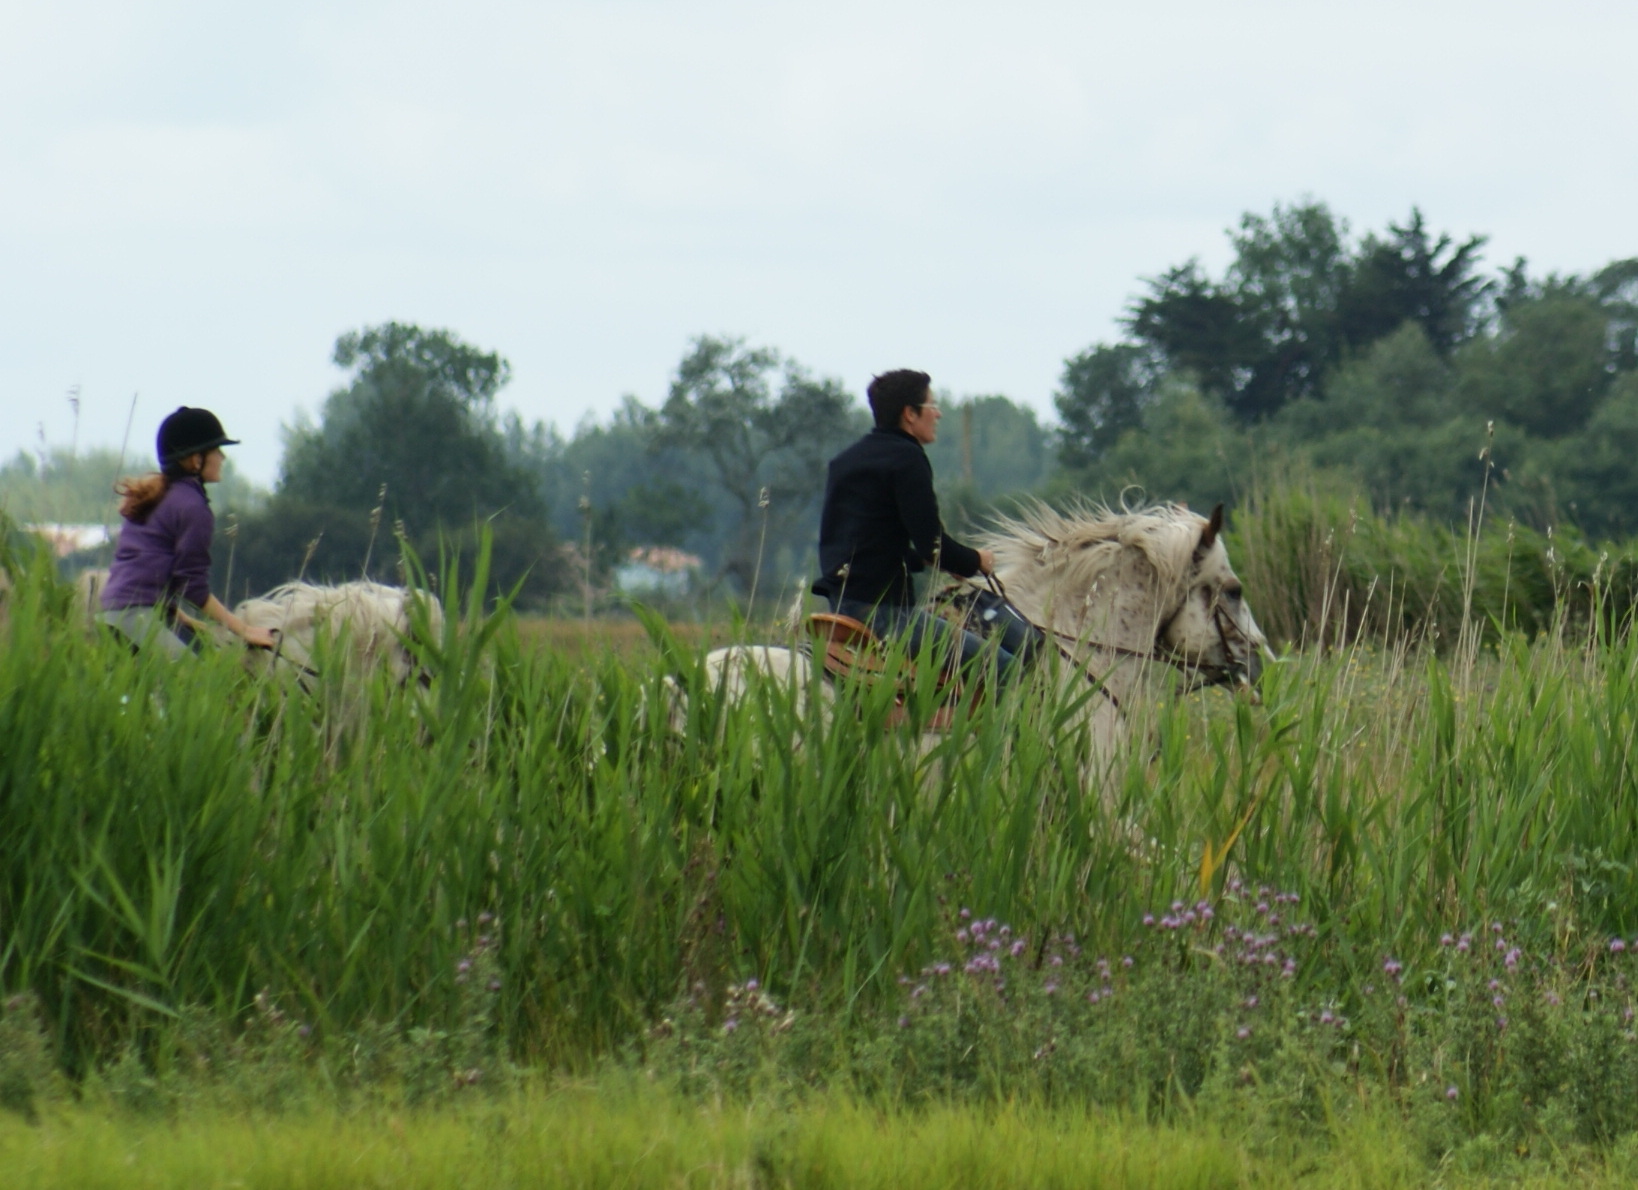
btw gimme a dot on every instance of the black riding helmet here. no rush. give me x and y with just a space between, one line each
189 431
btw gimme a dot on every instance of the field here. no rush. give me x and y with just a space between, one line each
1395 900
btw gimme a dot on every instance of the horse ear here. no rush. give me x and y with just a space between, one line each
1208 535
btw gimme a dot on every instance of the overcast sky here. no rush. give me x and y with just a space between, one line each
197 198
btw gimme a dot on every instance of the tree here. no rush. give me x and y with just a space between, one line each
765 452
1197 326
1599 479
1549 364
412 445
1188 450
1297 301
417 419
1402 278
1266 334
1102 395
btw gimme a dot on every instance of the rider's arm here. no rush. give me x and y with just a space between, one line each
215 609
918 509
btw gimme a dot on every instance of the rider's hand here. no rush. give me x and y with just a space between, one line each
259 638
986 561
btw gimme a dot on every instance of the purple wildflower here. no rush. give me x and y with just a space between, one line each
1617 946
1451 1093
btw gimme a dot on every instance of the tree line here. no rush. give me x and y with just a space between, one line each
1391 364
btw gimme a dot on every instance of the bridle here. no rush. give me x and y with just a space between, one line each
1202 676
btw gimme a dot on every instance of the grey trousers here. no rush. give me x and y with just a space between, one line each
146 627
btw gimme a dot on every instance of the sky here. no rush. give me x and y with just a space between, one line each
196 198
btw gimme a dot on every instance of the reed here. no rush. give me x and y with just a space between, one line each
182 838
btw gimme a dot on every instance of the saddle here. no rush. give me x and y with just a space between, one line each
850 648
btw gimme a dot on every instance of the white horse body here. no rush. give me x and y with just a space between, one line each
372 618
1113 592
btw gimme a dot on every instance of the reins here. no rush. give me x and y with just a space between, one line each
1221 674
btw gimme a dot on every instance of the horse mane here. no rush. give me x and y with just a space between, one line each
1079 544
374 616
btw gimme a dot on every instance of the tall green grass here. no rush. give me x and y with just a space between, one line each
1325 568
181 837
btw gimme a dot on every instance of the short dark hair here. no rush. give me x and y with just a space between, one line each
893 392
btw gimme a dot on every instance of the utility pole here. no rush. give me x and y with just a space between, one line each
967 442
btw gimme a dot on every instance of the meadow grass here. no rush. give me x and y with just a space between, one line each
615 1133
213 879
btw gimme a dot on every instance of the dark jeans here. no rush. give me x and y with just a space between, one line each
922 629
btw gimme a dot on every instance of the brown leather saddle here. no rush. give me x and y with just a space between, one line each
847 648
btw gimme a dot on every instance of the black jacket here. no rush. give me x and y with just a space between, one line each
880 523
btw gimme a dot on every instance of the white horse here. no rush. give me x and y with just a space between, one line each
372 619
1113 593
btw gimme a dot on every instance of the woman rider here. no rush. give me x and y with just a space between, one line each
159 583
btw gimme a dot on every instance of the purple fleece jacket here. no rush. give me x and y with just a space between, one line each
166 555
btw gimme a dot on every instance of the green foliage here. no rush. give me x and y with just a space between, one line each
1102 395
1394 363
411 447
1297 299
415 421
766 452
1401 277
989 451
199 867
77 487
1186 448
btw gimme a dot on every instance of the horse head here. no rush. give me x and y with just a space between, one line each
1153 583
1210 633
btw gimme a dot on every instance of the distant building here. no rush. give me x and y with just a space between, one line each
71 539
657 570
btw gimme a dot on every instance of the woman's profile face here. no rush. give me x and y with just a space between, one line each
210 471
